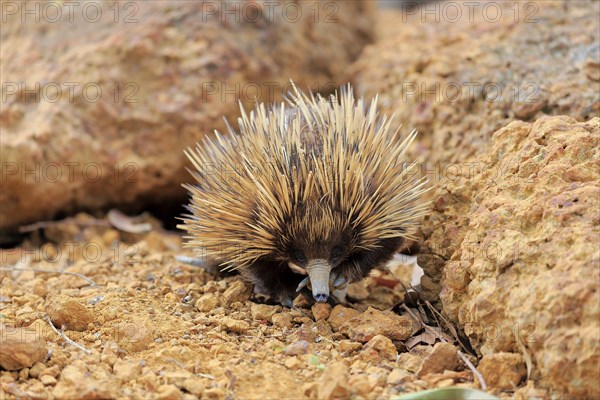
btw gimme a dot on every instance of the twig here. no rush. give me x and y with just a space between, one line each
51 271
473 370
449 326
62 335
419 320
207 376
437 321
426 327
526 356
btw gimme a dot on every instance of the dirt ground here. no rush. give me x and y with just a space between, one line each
145 325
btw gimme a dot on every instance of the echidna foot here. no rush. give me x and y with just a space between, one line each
305 282
337 281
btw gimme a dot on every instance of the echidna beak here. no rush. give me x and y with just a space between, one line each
318 272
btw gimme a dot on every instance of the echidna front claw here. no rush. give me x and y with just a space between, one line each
337 281
303 284
340 281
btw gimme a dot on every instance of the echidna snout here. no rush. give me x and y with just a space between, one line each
318 273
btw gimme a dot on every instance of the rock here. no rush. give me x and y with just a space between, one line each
348 346
358 291
282 320
48 380
372 322
529 391
410 362
78 381
502 370
292 363
305 332
127 370
333 384
176 377
21 348
302 301
34 371
297 348
169 392
309 390
234 325
340 315
381 347
263 312
321 311
214 394
443 357
460 80
237 291
377 376
322 328
361 384
207 302
397 376
135 335
53 371
194 386
110 125
520 240
68 312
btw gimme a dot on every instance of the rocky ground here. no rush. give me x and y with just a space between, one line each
144 325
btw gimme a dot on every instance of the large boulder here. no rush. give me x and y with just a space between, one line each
459 71
99 100
519 238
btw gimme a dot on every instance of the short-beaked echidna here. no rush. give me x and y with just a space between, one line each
316 191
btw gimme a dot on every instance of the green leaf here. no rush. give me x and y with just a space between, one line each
448 394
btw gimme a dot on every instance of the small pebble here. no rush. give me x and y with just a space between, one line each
282 320
48 380
292 363
321 311
234 325
297 348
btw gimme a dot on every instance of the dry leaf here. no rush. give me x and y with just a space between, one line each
126 224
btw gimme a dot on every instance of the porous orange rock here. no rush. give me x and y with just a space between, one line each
373 322
520 238
503 370
21 348
67 312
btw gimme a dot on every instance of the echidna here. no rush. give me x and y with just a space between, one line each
315 192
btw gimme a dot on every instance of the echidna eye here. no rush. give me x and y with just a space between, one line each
299 256
337 253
